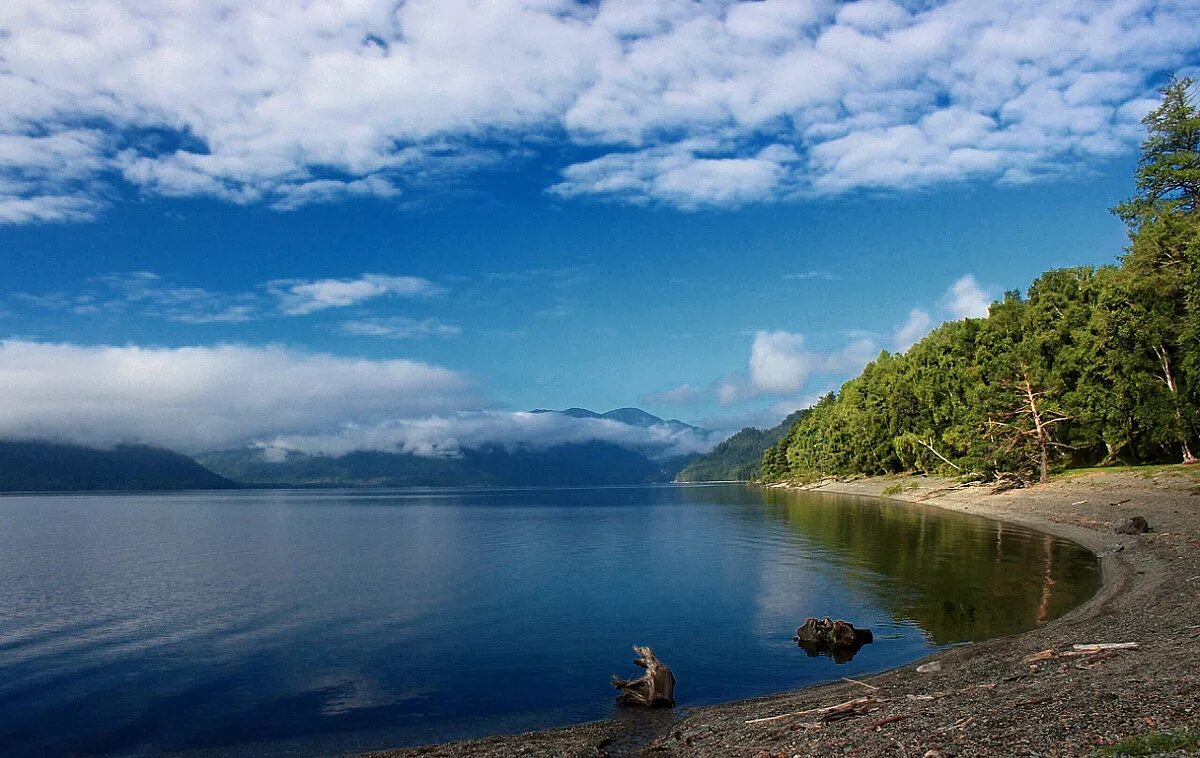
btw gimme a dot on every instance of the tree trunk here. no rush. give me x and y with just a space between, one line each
1112 452
1160 351
1039 427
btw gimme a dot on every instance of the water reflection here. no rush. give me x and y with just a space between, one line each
957 576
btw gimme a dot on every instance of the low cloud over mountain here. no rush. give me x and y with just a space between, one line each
281 400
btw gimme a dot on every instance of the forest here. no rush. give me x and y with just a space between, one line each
1090 367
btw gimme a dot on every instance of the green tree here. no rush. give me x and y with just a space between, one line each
1168 175
1160 268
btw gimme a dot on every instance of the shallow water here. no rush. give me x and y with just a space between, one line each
290 622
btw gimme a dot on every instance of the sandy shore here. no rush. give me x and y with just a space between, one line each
985 700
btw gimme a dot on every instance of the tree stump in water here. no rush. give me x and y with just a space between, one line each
654 688
838 639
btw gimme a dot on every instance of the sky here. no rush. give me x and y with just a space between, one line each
400 225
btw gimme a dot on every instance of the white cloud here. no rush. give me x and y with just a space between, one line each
195 398
966 299
779 362
696 104
916 326
147 293
681 395
732 390
299 298
681 175
202 398
804 276
400 328
448 435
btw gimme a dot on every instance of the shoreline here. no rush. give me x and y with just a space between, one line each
985 700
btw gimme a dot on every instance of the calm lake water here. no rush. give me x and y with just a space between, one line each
291 622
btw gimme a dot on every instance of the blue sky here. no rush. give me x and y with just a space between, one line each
379 217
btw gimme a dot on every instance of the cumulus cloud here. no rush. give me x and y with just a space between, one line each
682 176
781 364
778 362
196 398
695 104
966 299
299 298
916 326
448 435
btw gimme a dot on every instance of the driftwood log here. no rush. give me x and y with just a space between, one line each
654 688
838 639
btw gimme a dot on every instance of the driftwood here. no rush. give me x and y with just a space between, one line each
878 725
1092 654
1099 646
835 638
856 707
654 688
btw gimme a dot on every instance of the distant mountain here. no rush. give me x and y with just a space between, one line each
738 458
31 466
572 464
631 416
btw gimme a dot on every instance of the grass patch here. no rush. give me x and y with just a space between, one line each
1146 472
898 487
1154 743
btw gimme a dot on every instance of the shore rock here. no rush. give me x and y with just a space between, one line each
1132 525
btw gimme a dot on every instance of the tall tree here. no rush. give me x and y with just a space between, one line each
1162 221
1168 175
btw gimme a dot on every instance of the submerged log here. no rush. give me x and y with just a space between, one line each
654 688
838 639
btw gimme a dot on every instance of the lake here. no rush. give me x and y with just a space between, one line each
290 622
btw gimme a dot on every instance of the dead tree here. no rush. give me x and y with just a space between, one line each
1030 422
654 688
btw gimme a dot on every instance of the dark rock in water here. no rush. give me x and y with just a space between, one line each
1132 525
838 639
654 688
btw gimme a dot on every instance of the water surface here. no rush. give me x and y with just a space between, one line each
290 622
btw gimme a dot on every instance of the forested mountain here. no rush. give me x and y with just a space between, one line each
1090 366
29 466
574 464
738 458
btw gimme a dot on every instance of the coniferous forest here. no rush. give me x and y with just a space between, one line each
1091 366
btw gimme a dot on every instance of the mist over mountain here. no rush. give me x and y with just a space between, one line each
588 463
538 448
576 446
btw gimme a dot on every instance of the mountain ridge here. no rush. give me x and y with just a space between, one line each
46 466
